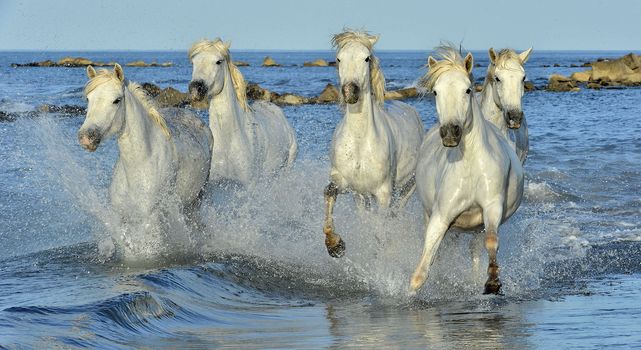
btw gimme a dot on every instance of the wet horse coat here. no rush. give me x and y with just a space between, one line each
467 174
374 148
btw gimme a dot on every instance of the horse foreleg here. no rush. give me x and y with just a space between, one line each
434 233
333 242
384 196
492 217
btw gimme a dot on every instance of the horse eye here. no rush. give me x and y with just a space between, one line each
117 101
468 91
367 59
497 79
434 92
219 61
338 60
523 79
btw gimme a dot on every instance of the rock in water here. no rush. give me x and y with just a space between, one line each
529 86
625 70
401 94
290 100
75 62
328 95
316 63
560 83
269 62
255 92
170 97
582 77
152 89
141 63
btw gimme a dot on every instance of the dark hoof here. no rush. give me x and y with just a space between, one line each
337 250
492 287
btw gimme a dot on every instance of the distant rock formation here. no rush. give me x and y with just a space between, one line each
269 62
623 71
329 94
316 63
401 94
170 97
561 83
83 62
145 64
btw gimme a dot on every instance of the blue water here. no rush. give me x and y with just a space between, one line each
570 257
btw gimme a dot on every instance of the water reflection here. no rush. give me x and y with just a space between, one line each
485 325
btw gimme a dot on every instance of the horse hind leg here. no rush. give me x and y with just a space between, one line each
406 193
333 241
192 212
363 202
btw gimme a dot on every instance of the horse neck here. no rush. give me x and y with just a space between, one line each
490 109
360 117
140 133
475 134
225 112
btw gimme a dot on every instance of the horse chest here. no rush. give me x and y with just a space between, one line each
360 163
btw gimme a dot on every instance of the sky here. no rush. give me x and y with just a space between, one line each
308 25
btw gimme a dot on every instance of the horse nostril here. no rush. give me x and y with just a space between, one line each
197 89
350 92
442 131
457 130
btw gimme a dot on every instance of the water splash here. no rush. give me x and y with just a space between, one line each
279 222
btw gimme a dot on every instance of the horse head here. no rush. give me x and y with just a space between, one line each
358 70
105 109
450 80
506 77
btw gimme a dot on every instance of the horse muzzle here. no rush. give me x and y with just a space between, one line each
197 90
350 92
451 135
89 139
514 118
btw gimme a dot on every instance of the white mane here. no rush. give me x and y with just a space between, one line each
451 59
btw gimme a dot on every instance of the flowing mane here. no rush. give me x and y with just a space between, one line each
503 57
240 86
451 59
104 75
366 39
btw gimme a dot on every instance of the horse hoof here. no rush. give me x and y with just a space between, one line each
492 287
337 250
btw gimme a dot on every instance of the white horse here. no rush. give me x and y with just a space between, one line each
374 149
250 141
160 152
467 173
501 97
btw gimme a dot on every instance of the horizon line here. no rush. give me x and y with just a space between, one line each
292 50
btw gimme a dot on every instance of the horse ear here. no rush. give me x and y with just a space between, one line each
492 55
525 55
91 73
227 44
431 62
373 39
469 62
119 73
